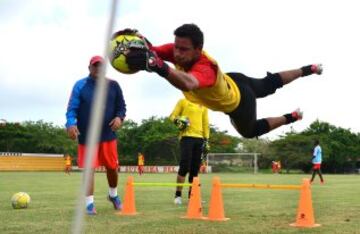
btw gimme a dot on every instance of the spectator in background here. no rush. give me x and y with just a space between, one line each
316 161
68 164
141 163
276 166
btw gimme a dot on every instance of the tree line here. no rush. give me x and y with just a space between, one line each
157 138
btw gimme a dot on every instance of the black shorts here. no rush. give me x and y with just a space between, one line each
244 117
191 150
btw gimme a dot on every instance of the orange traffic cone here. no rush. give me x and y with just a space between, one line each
216 206
129 199
305 214
194 210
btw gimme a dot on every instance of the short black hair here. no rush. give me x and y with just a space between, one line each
193 32
317 142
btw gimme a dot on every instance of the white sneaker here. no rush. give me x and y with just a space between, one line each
317 68
177 201
297 114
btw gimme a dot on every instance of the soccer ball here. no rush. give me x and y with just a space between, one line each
119 47
20 200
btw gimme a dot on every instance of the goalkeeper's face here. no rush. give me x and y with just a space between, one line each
185 54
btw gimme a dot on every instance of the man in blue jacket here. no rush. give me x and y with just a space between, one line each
77 125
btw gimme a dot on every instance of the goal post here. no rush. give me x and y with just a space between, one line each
233 162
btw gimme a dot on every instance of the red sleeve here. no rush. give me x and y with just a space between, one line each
165 52
205 72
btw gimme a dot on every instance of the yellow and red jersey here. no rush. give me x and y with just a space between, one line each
198 118
217 91
67 161
141 160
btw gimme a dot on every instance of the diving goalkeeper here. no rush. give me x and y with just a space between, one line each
200 78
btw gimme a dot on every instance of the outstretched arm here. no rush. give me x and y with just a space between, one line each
181 80
141 59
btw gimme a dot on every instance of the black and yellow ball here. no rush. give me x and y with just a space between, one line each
20 200
119 47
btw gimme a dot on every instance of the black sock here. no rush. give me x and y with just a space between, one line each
306 70
313 176
320 175
289 118
178 194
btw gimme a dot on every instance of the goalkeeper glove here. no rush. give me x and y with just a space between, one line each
144 59
140 57
205 150
206 147
181 122
203 158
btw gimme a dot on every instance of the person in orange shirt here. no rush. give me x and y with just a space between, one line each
67 164
141 162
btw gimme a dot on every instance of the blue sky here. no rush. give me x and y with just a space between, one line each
46 46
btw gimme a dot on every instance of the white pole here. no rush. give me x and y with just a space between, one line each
96 119
255 163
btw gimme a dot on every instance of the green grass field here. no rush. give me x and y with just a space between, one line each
336 205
